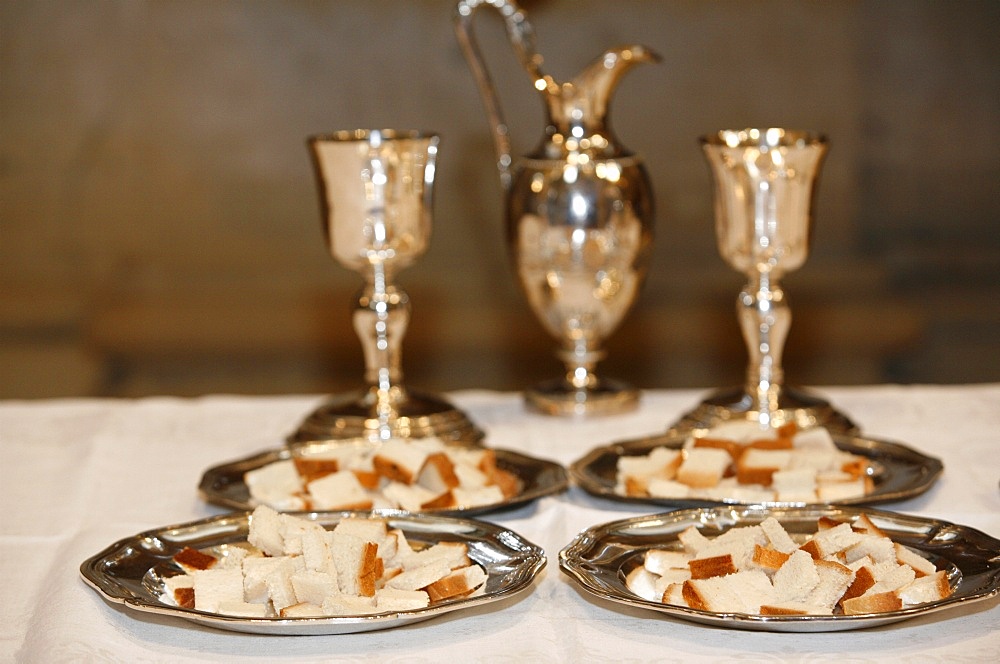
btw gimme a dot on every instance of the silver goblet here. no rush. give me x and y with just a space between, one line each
764 185
376 196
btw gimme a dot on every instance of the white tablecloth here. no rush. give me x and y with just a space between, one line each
76 475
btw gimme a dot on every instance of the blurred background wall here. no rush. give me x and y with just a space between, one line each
159 223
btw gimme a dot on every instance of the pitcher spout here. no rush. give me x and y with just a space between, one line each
579 108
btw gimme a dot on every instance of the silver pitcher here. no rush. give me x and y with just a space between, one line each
579 211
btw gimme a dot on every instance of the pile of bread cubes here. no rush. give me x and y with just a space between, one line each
293 567
737 462
415 475
843 569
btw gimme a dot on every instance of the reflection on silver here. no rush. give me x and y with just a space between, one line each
599 558
579 212
899 471
224 485
131 571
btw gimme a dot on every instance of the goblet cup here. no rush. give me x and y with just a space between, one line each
376 197
765 181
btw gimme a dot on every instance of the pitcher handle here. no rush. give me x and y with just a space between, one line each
521 36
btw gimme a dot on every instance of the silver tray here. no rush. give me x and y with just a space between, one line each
224 485
131 571
898 472
600 557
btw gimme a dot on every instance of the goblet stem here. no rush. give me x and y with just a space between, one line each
380 321
765 319
580 363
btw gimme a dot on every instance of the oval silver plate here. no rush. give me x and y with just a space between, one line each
224 485
131 571
899 472
600 557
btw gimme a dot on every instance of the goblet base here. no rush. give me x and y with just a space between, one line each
414 415
794 405
560 397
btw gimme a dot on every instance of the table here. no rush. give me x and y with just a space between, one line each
78 474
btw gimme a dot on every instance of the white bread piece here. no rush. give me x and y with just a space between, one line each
339 491
292 530
233 555
349 605
795 485
438 473
712 566
354 559
714 594
767 558
242 609
894 580
254 574
671 577
215 586
657 487
265 531
929 588
777 536
693 540
796 579
674 594
370 530
659 462
703 466
399 460
317 554
830 492
403 548
814 439
757 466
831 541
458 583
394 599
273 482
473 497
313 587
753 587
454 554
819 461
877 603
302 610
920 565
471 477
834 580
728 489
658 561
419 578
742 592
738 543
172 583
879 549
642 582
279 582
409 497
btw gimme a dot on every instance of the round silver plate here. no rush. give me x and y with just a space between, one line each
600 558
224 485
898 472
130 572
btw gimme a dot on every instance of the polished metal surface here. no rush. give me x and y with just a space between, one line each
224 484
765 181
130 572
898 472
600 558
579 212
377 197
